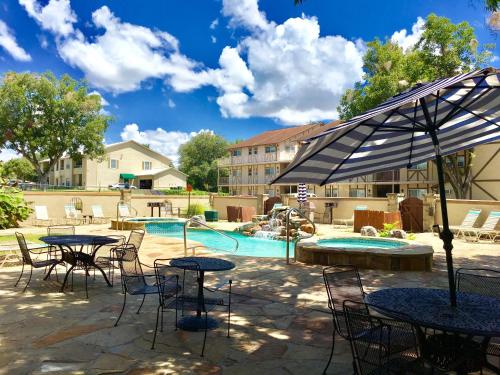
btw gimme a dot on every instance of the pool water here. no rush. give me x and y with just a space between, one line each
356 243
248 246
155 220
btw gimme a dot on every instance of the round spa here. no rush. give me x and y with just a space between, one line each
366 252
140 222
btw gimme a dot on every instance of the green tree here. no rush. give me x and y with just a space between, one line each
44 117
444 49
19 168
198 159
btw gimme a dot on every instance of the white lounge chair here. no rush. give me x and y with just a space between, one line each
469 222
42 216
350 221
98 214
73 216
490 229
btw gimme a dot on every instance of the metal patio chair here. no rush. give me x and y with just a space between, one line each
381 346
28 260
109 259
481 281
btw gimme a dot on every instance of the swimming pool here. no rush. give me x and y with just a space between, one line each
361 243
248 246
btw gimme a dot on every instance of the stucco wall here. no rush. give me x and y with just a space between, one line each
457 209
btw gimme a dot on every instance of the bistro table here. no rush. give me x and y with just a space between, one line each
72 249
203 264
474 315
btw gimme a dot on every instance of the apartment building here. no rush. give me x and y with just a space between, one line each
255 162
122 162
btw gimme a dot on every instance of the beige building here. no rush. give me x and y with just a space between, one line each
122 162
255 162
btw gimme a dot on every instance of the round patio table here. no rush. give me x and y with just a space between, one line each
72 249
474 315
202 265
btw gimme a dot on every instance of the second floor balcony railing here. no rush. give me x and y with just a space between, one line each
386 176
267 157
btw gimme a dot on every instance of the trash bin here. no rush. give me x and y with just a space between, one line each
211 215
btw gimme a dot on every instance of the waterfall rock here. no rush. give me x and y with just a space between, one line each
398 233
369 231
308 228
198 218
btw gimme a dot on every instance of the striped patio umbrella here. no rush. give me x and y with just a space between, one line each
302 194
427 122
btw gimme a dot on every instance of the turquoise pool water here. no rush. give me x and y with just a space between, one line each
248 246
366 243
155 220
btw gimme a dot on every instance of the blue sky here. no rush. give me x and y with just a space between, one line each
168 69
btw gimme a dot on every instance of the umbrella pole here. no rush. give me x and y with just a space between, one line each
446 235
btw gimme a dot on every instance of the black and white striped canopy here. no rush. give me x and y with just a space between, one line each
463 111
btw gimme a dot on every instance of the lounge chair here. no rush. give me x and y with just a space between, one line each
489 230
42 216
349 222
73 216
469 222
98 214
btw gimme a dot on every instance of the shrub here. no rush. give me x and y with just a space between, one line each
183 192
386 232
13 208
195 209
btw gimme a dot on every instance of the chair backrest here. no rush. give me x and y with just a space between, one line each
97 211
166 208
41 213
471 218
492 221
479 280
342 283
61 230
361 207
70 211
24 248
135 238
186 281
130 266
123 210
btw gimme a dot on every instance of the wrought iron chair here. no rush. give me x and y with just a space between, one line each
372 343
134 280
481 281
58 230
110 259
135 238
188 299
342 282
34 263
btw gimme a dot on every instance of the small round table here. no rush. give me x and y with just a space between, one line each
203 264
474 315
68 244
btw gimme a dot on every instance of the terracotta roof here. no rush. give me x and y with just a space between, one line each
297 133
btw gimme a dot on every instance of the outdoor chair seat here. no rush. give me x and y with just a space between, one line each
169 286
45 263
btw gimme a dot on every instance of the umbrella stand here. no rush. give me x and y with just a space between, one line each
446 235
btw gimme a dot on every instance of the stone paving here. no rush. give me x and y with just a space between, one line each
280 324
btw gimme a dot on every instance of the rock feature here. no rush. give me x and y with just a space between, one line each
398 233
369 231
197 218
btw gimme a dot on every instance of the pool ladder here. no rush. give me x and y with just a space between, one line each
288 239
193 248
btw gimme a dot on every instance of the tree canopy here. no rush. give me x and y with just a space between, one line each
444 49
18 168
42 117
198 159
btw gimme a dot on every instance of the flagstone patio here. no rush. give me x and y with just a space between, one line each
280 322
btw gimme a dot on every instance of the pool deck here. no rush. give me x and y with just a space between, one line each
280 320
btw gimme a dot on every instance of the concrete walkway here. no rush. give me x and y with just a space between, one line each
280 324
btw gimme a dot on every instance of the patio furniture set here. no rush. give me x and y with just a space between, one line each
179 283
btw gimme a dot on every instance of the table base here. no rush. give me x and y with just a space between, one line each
194 323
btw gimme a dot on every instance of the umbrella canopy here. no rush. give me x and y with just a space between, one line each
426 122
302 194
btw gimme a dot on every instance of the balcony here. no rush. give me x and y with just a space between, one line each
248 159
386 176
223 180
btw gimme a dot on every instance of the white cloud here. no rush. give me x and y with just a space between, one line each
171 103
163 141
9 43
44 43
214 24
57 16
407 41
245 13
213 39
7 154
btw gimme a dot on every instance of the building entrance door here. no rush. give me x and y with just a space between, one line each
145 184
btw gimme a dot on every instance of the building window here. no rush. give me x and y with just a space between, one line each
250 171
236 152
290 149
249 151
113 164
331 192
255 150
270 149
419 166
417 193
62 165
460 161
236 173
78 163
269 171
357 193
146 165
57 167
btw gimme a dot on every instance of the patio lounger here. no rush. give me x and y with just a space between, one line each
42 216
350 221
469 222
98 214
490 229
72 214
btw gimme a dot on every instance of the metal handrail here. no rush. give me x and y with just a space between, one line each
287 217
198 222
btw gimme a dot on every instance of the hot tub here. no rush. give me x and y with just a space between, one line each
366 252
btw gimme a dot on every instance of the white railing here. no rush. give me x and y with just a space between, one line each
193 248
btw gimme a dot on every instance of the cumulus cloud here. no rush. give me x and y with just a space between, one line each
214 24
245 13
407 41
171 103
56 17
9 44
165 142
7 154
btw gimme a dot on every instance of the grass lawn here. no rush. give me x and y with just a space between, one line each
11 238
